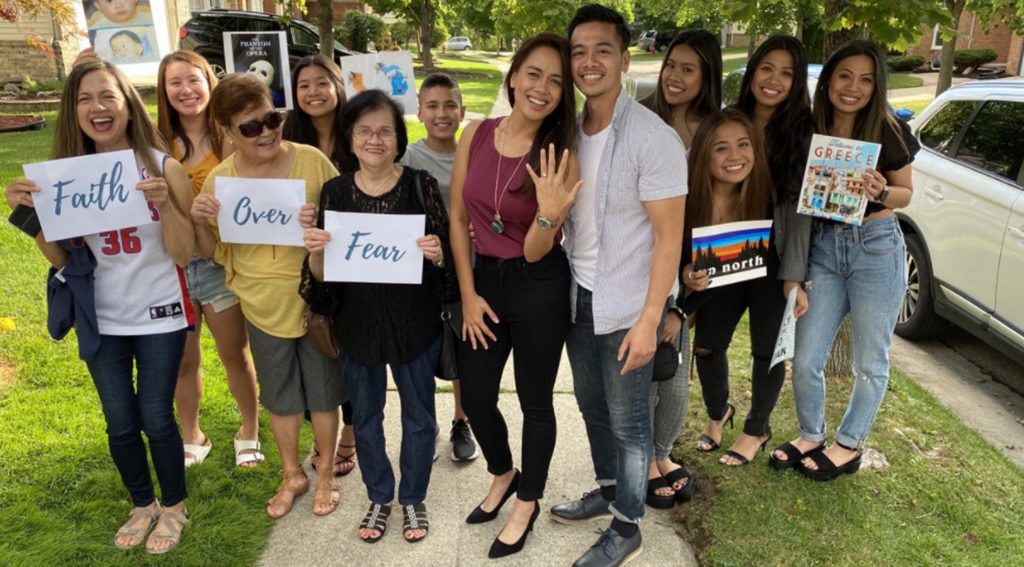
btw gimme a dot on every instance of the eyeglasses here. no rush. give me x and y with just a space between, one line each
254 128
364 133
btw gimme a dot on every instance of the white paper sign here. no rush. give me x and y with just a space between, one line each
88 194
389 71
372 248
784 345
260 211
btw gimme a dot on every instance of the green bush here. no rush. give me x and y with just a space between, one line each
904 62
731 88
964 58
359 29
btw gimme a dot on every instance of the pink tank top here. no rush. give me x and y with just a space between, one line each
517 209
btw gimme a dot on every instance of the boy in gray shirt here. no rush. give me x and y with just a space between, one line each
441 112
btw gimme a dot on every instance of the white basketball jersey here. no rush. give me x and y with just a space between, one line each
139 288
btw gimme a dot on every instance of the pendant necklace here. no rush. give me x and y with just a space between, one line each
496 224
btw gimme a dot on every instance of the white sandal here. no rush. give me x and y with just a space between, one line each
195 454
248 451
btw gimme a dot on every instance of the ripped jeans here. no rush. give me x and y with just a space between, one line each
860 271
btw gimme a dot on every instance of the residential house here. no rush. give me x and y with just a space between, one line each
1007 44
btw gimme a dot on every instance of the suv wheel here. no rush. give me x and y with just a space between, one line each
917 318
217 63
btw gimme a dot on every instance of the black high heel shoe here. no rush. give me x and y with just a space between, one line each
502 549
478 516
740 459
711 443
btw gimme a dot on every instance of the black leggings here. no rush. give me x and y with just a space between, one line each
716 322
531 301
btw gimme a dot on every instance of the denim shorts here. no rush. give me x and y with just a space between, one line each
205 279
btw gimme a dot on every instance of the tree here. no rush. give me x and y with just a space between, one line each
523 18
1009 12
359 29
60 12
325 25
422 13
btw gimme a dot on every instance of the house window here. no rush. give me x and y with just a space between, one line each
936 38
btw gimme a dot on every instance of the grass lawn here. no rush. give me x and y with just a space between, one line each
948 498
917 105
904 81
478 93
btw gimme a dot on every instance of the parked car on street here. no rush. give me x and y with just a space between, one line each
458 43
203 33
645 40
965 225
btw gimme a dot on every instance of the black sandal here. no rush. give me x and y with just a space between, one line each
827 470
711 443
743 460
793 456
343 460
414 517
684 494
376 519
659 501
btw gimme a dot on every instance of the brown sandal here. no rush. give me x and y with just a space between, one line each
168 527
285 489
326 493
135 517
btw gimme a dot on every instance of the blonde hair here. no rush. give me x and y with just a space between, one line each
71 141
169 121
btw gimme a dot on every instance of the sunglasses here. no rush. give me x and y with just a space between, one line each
254 128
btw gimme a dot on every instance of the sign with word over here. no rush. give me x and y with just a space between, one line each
88 194
372 248
260 211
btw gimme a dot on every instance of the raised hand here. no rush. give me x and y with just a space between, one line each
431 247
696 281
553 199
307 215
315 239
156 190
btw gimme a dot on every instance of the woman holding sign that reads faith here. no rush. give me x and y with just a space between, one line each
855 270
139 305
515 181
384 324
730 182
292 375
184 83
315 119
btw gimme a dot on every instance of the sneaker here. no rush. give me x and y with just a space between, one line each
464 447
611 550
591 507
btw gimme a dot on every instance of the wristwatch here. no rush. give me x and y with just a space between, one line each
883 195
546 223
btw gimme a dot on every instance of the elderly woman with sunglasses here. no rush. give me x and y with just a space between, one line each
292 375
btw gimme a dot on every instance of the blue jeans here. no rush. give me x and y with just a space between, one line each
616 410
147 405
860 271
367 392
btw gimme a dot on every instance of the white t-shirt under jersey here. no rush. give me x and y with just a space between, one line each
584 213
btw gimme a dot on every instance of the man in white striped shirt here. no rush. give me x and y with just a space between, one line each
623 239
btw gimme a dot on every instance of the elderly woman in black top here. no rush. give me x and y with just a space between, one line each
385 324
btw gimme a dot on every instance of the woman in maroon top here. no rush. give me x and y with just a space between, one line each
515 181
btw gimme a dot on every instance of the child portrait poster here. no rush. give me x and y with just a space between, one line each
389 71
732 252
265 55
132 34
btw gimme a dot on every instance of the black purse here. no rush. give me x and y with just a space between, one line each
451 320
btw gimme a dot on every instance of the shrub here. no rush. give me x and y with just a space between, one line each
964 58
904 62
359 29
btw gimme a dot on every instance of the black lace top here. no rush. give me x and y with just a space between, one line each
385 323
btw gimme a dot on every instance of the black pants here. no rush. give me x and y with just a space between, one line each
716 321
531 301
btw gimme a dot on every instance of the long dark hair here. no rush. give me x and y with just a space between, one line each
360 105
875 117
299 125
710 98
558 127
168 120
755 191
789 130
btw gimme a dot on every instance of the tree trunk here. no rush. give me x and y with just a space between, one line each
325 24
840 358
835 38
428 18
956 8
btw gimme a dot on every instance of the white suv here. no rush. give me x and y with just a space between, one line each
965 225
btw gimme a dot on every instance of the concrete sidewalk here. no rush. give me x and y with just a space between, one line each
455 489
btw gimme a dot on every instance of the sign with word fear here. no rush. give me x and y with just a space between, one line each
260 211
373 248
88 194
